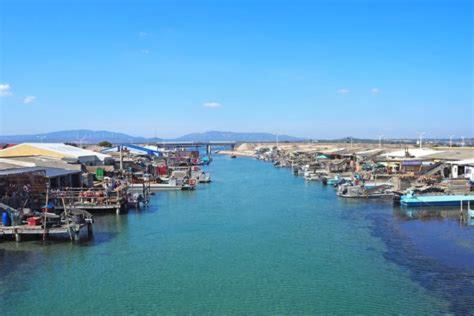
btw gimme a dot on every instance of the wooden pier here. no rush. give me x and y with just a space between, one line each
118 208
92 200
71 230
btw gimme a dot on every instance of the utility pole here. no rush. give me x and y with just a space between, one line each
421 138
121 158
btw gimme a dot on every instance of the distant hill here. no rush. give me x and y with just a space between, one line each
84 136
232 136
75 136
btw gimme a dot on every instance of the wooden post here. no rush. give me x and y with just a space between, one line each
89 230
67 218
76 235
45 218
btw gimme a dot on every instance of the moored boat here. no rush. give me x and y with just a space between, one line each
363 191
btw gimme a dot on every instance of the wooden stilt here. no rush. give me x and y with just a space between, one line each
89 230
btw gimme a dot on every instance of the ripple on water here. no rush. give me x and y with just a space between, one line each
454 284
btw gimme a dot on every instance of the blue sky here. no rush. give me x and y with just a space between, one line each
307 68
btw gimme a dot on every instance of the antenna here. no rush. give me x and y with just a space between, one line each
81 140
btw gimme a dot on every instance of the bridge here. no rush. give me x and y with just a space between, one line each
196 144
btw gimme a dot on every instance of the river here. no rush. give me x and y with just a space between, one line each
257 240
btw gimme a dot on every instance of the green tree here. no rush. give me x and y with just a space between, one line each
104 143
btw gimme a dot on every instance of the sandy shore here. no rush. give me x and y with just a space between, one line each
250 154
249 149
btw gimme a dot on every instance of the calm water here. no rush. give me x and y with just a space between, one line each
255 241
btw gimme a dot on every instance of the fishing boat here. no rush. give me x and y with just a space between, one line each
337 180
332 181
412 199
312 177
135 200
362 191
205 161
166 184
200 175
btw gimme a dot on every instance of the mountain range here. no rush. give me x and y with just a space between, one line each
84 136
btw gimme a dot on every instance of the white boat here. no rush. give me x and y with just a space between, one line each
200 176
311 177
361 191
153 186
204 177
166 185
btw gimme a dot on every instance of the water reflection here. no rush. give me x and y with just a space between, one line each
430 214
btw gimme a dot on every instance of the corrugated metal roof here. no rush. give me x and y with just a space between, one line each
40 161
134 149
58 172
12 171
51 167
66 150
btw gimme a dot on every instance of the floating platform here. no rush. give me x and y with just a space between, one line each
71 231
436 200
99 208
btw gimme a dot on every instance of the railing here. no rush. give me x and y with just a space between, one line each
76 196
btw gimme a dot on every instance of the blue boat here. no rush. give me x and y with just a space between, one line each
411 199
334 180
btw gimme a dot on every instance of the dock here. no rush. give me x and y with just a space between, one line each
71 230
93 201
436 200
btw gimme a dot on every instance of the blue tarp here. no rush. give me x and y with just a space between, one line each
133 149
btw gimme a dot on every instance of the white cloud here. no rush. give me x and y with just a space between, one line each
29 99
212 105
143 34
5 90
375 90
145 51
343 91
